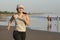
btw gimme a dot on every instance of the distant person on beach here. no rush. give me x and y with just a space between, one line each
21 21
49 23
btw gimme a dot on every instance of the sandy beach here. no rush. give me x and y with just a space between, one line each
30 34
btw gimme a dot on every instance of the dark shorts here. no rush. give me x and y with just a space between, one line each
19 35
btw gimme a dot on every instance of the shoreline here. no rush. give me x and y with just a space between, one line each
30 34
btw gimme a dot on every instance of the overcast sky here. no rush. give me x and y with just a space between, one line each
33 6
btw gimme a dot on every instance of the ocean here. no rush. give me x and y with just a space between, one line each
37 23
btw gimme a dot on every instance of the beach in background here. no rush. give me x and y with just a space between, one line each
37 22
36 31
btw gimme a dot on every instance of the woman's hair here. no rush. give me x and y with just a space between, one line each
24 13
17 9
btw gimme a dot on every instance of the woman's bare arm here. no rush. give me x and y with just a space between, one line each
27 20
9 23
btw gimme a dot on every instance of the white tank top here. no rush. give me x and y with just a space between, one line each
19 24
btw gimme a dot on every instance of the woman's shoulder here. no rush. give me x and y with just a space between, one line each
14 15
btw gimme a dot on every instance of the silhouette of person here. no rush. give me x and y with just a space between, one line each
49 23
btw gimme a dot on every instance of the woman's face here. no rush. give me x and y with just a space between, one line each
20 10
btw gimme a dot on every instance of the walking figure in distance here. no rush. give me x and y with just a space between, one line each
49 23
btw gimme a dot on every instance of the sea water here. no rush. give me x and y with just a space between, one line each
37 23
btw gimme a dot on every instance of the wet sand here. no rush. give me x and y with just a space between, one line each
30 34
